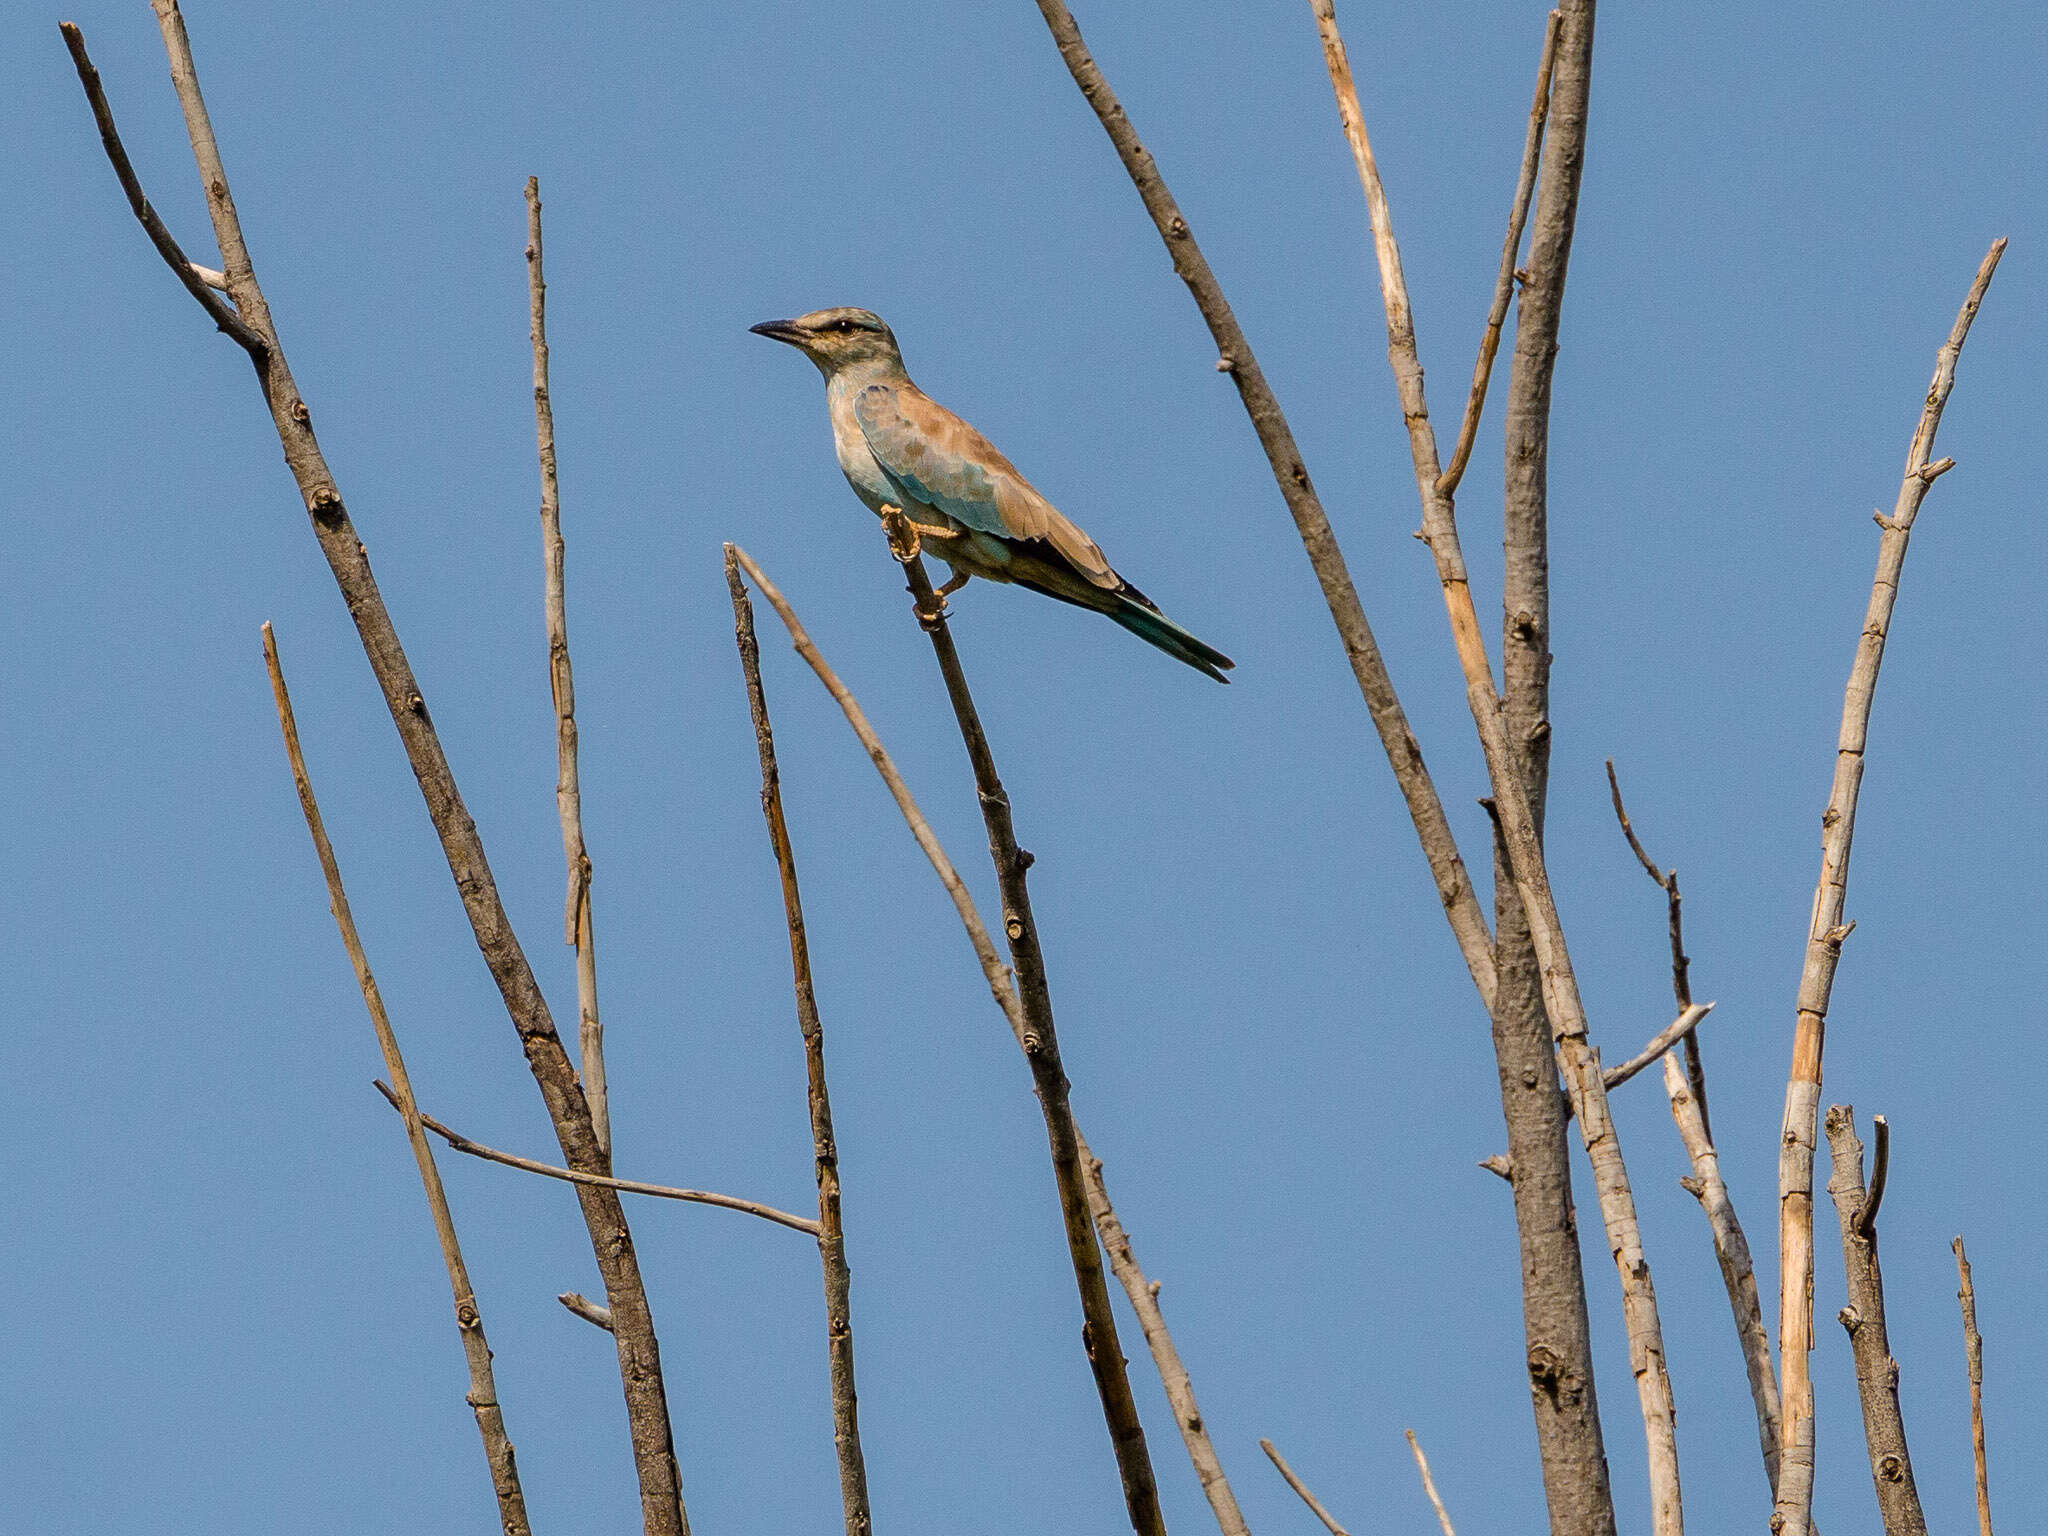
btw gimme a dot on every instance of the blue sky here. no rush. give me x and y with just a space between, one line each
228 1315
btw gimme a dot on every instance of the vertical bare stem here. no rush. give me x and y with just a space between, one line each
1443 1516
562 685
1877 1373
1368 666
476 1348
853 1476
1041 1048
1520 829
1301 1489
1973 1356
1687 1092
1180 1391
661 1501
1826 931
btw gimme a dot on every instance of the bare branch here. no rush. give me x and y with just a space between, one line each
853 1476
1824 935
1866 1219
587 1309
1687 1092
1301 1488
1368 666
562 686
1443 1516
476 1349
1521 834
1504 285
1678 1029
611 1241
1042 1050
1180 1391
462 1143
1877 1373
1973 1356
199 281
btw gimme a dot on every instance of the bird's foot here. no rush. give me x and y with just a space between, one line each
901 531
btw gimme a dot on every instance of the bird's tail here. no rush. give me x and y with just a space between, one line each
1155 628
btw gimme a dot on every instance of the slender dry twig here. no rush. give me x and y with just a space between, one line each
476 1348
1678 1029
1368 666
1164 1355
611 1241
1180 1391
576 921
587 1309
1826 931
1301 1488
477 1149
1877 1373
853 1476
1443 1516
1504 285
1880 1169
1521 835
1042 1050
1687 1092
1973 1357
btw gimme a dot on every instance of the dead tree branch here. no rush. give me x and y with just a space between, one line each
477 1149
562 686
1687 1092
1678 1029
1443 1516
1877 1373
1301 1488
1180 1391
476 1348
1368 666
1973 1358
853 1475
1504 285
1826 931
1042 1050
653 1444
587 1309
1514 774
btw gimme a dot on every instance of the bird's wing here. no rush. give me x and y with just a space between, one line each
942 461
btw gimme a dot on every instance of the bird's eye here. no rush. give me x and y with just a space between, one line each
844 325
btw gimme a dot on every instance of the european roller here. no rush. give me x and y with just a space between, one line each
898 447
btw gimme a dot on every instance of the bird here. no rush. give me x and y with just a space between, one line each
899 449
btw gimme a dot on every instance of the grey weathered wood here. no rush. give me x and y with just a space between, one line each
1877 1373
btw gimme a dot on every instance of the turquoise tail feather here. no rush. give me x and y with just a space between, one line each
1155 628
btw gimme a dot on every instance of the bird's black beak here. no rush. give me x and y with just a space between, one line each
780 330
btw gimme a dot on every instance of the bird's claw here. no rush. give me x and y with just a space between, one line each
902 534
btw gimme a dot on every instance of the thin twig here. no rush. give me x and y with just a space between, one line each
1877 1373
661 1500
1301 1488
577 927
1973 1357
1443 1516
853 1476
587 1309
1678 1029
1826 930
476 1349
1521 835
1180 1390
1687 1092
1042 1050
198 281
1880 1169
462 1143
1504 285
1368 666
1164 1356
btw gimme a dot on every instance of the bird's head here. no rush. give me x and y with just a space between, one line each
836 338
